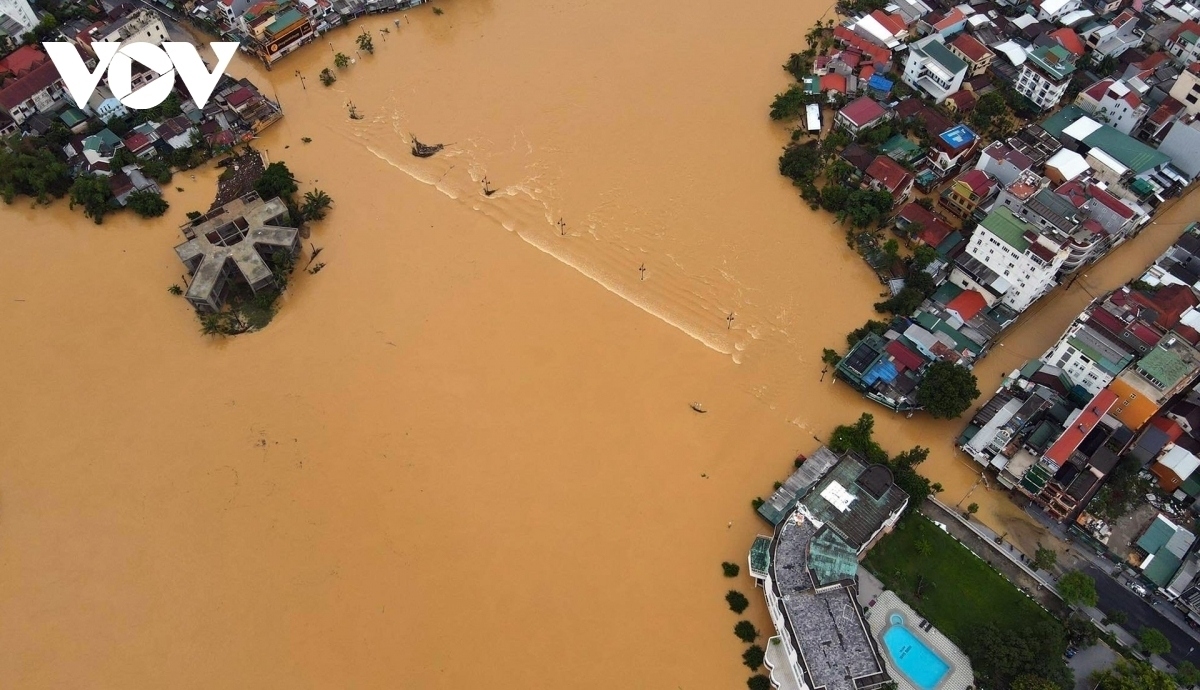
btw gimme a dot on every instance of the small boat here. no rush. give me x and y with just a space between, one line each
699 408
425 150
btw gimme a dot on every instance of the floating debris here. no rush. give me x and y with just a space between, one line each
425 150
487 188
699 408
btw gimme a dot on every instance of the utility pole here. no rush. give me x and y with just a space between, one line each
642 270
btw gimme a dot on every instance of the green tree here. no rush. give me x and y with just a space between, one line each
147 203
341 61
923 255
924 548
1081 633
745 631
1152 641
1030 682
1187 674
315 204
972 508
1077 589
759 682
31 168
157 170
93 194
175 290
753 657
736 600
789 104
328 77
1132 675
730 569
830 357
1000 656
800 162
1044 559
876 327
947 390
1117 618
834 196
364 42
276 181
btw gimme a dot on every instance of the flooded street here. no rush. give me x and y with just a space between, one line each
463 453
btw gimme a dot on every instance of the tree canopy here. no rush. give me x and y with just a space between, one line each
790 103
800 162
1076 588
1152 641
93 194
28 167
947 390
276 181
1133 675
1002 657
147 203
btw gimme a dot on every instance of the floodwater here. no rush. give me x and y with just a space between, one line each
463 453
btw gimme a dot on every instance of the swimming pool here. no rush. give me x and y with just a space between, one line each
920 664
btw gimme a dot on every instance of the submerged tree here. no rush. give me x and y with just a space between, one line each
93 194
147 203
328 77
364 42
315 204
341 61
947 390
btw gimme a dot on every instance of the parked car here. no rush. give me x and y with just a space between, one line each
1071 651
1137 589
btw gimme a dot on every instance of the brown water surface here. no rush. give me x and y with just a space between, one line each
463 453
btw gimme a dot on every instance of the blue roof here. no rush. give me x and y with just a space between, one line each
878 81
882 370
958 135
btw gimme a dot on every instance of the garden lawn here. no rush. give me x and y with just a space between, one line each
959 591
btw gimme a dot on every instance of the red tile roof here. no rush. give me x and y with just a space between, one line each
22 60
239 97
971 47
1069 40
1081 427
1189 25
1153 60
1170 301
980 182
866 72
963 100
889 173
906 358
890 22
934 228
967 304
1188 333
1096 91
1111 202
952 17
18 90
1167 426
833 82
848 37
137 142
863 111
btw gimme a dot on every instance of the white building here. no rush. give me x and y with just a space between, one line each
1184 44
1052 10
16 18
1114 103
1187 89
1045 75
1182 144
1087 356
140 26
1008 260
932 68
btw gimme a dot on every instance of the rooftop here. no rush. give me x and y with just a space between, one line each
1003 224
862 111
1056 61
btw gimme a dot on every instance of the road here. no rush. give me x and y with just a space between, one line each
1116 597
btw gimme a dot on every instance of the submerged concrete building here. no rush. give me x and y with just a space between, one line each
237 241
808 572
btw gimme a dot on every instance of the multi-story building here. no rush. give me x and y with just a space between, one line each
1113 102
1184 43
1045 74
968 192
29 84
139 26
1003 162
933 68
971 51
16 18
276 28
1186 89
1009 260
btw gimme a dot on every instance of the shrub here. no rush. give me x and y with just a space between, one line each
730 569
759 682
745 631
753 657
737 601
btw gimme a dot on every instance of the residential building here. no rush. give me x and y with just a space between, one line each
808 569
1052 10
861 114
1161 550
925 226
1114 103
933 68
885 174
1117 160
1182 144
235 242
16 18
972 52
1184 43
1003 162
1088 355
1070 40
29 84
968 192
1186 88
944 25
1116 37
231 10
951 147
139 26
276 28
1008 260
1066 165
1045 74
1162 372
881 28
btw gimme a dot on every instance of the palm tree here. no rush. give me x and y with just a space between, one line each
210 324
315 204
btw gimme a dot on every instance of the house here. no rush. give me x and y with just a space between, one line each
1186 88
29 84
1088 353
1045 74
1066 165
933 68
1003 162
1173 467
885 174
971 51
882 29
861 114
968 192
951 147
1145 387
1113 102
1008 260
1116 217
1117 159
1052 10
1163 547
138 26
961 102
1159 122
1181 145
235 242
1115 38
129 180
858 157
807 570
230 11
944 25
929 227
276 28
141 145
1070 40
1184 43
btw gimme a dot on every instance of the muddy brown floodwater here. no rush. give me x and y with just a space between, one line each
463 453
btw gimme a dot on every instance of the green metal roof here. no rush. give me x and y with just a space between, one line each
933 324
1055 61
1142 187
1156 535
72 116
1035 479
760 554
1191 485
831 559
1056 123
1164 366
1043 435
812 84
900 148
103 137
1003 224
949 243
942 54
283 20
945 293
1132 153
1162 568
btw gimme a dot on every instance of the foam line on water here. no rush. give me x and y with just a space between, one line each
641 302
